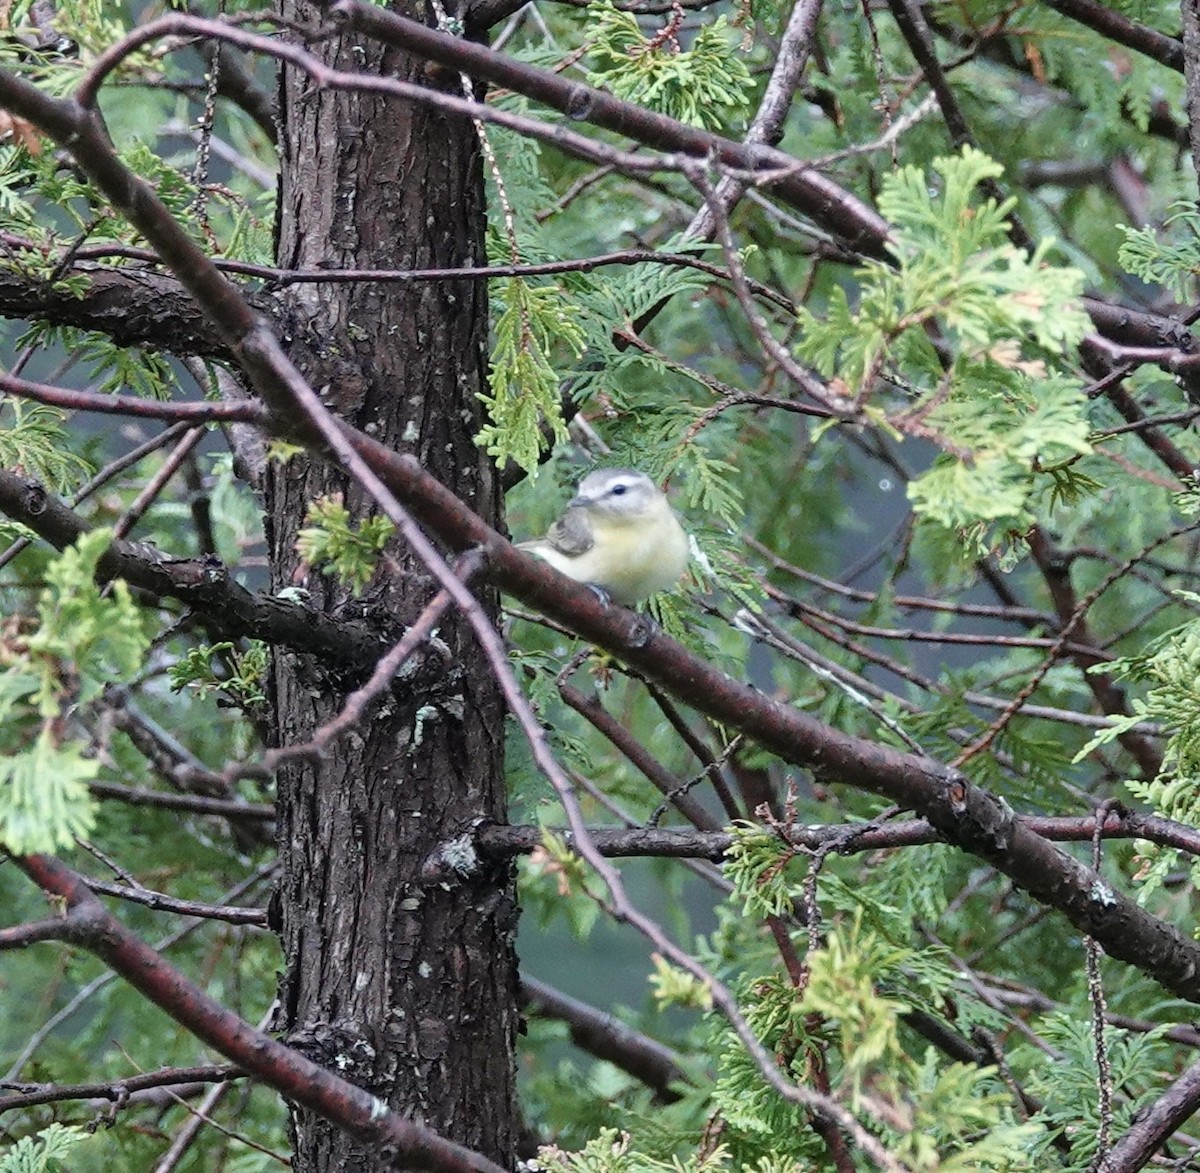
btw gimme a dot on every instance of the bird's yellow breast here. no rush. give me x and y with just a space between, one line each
629 557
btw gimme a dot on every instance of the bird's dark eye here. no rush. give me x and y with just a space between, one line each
619 490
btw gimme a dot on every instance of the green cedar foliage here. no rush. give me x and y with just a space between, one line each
706 84
524 393
32 435
1004 420
1155 257
85 638
1169 668
331 540
244 682
44 1153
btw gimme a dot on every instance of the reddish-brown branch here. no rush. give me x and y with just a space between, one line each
120 1092
21 936
156 485
1115 26
674 843
247 411
1131 328
608 1038
1154 1125
708 760
1169 454
88 925
671 788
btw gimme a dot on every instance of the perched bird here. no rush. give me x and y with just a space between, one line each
618 534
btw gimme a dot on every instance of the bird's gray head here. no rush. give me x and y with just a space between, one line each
616 492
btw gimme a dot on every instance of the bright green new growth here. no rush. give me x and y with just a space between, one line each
1013 428
611 1152
84 640
1005 420
85 636
756 866
244 677
930 1113
41 1153
673 986
44 798
863 980
707 85
329 540
524 385
842 988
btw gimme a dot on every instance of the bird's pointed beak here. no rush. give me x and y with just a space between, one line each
579 502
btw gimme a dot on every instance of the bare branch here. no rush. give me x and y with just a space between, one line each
911 22
497 842
283 278
107 473
234 914
134 406
119 1091
133 307
89 926
194 803
607 1037
767 124
21 936
672 789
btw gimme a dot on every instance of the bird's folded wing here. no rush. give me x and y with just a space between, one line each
571 534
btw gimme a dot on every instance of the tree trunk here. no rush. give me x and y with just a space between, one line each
405 987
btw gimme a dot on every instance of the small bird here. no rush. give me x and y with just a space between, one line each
619 535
